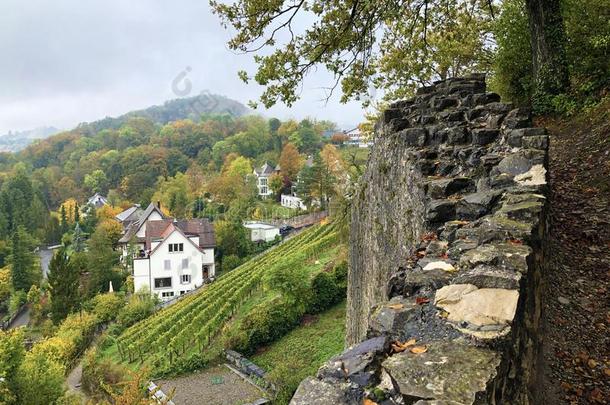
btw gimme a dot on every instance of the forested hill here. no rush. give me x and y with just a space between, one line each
173 110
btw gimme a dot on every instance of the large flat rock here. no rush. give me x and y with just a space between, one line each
449 372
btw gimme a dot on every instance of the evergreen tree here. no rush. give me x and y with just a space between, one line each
103 260
22 260
76 213
77 239
63 285
63 222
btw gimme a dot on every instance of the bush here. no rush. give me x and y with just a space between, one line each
140 306
264 324
18 298
324 293
230 262
98 373
340 273
106 306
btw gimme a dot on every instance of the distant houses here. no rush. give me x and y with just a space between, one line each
261 232
97 201
263 175
170 256
355 138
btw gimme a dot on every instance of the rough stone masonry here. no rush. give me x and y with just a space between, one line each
447 254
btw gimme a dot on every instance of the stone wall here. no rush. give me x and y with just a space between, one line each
446 256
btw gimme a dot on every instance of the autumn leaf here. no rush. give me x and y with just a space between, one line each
368 402
398 347
419 349
422 300
396 306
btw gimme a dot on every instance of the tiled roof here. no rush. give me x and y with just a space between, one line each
161 229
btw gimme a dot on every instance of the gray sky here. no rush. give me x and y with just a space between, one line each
69 61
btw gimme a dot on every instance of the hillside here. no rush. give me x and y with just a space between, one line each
16 141
192 326
173 110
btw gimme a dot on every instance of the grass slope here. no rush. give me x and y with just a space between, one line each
301 352
195 324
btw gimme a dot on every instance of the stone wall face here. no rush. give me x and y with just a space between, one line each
446 256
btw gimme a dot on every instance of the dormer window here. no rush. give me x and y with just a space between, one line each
176 247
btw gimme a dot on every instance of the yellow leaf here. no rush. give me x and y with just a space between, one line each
396 306
369 402
419 349
398 347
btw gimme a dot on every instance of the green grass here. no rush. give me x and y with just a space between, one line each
301 352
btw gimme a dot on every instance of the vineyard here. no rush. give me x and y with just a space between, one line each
195 320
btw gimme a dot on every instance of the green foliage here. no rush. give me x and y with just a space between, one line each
230 262
96 181
231 239
107 306
12 353
63 280
396 43
103 259
18 298
512 77
23 265
140 306
299 354
290 283
325 293
266 323
40 379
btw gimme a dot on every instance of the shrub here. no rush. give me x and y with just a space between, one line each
230 262
340 273
266 323
98 373
324 293
140 306
106 306
18 298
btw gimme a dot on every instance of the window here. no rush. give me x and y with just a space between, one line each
263 181
185 263
176 247
264 190
167 294
167 264
185 278
165 282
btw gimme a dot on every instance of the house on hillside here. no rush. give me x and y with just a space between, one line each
97 200
261 232
178 256
293 200
129 216
263 174
134 230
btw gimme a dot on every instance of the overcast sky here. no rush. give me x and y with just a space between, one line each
70 61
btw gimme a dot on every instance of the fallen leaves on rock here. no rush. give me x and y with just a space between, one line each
418 349
422 300
396 306
398 347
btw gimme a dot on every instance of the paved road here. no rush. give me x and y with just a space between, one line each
22 320
45 258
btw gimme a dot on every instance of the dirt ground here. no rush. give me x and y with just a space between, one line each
215 386
576 346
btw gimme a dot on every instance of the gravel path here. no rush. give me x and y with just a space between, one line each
576 311
215 386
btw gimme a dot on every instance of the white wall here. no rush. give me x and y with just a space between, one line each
290 201
144 277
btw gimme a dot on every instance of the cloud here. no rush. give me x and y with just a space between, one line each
69 61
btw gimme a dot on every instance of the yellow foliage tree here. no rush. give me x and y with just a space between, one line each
70 206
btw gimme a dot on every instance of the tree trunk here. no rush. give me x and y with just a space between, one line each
548 47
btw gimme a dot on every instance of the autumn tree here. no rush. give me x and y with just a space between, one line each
291 161
358 41
96 181
63 280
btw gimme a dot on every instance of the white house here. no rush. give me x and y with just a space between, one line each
292 201
178 256
97 200
262 179
261 232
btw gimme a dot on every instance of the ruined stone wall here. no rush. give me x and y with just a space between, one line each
446 256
